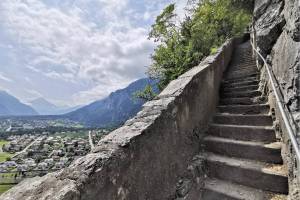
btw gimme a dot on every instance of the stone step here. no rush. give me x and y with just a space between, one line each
245 60
237 101
243 65
241 75
242 62
241 88
270 153
234 93
248 57
215 189
242 151
238 80
241 78
240 119
245 109
259 175
239 84
244 55
207 194
244 70
242 132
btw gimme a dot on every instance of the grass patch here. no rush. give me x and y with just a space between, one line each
4 188
5 177
2 142
4 155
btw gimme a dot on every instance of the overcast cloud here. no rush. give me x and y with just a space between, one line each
74 51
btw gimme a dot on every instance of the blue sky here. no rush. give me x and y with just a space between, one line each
73 52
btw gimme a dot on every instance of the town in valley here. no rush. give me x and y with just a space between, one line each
30 148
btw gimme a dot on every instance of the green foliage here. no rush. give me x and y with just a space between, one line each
9 179
164 26
4 188
147 94
4 156
213 50
8 159
183 45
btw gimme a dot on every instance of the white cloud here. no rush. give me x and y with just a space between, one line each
101 44
93 94
33 93
5 78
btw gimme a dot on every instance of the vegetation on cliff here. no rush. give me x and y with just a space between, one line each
183 44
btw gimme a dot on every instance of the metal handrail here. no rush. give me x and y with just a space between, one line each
275 86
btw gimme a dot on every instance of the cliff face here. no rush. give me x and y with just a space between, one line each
278 36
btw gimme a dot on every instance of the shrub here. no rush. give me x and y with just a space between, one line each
182 45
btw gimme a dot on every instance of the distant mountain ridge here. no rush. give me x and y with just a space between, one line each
44 107
11 106
114 109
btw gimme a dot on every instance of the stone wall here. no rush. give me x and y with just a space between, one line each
278 37
144 158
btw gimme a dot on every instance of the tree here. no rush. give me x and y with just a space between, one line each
147 94
182 45
164 25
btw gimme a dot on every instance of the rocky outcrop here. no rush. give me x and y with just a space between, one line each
143 158
278 37
269 23
285 55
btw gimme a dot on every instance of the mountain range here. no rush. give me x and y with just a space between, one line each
110 111
10 106
114 109
44 107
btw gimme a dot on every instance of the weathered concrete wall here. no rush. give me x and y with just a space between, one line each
144 158
278 32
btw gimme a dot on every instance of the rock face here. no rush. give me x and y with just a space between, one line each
278 37
114 109
269 23
144 158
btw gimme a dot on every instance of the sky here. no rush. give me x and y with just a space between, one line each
73 52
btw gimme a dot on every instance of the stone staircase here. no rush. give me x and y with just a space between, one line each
242 153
